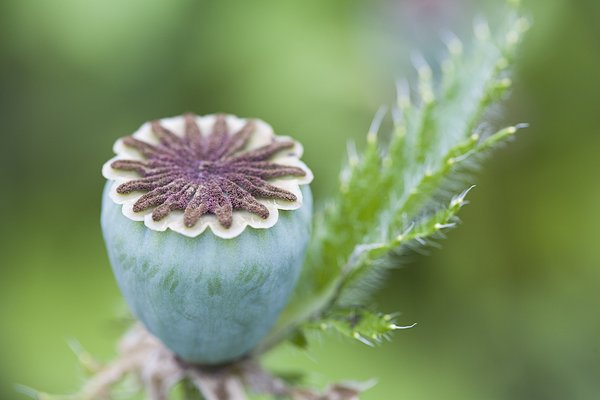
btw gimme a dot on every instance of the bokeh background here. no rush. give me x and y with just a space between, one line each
508 309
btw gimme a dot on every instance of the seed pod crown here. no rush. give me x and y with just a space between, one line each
188 173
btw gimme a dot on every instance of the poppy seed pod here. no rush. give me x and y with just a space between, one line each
206 222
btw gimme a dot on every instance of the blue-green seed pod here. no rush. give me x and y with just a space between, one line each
205 251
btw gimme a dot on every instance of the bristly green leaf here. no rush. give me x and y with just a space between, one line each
359 324
363 262
403 194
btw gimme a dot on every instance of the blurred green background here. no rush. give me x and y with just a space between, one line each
508 309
